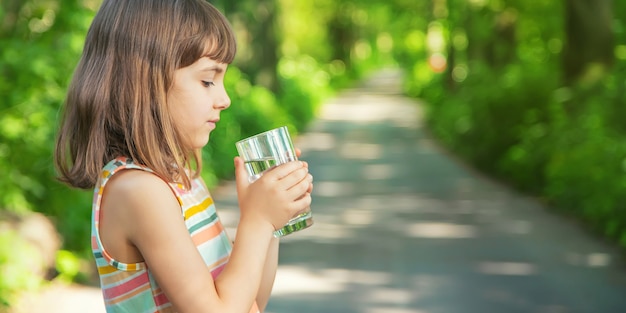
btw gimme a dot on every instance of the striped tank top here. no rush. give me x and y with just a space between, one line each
131 288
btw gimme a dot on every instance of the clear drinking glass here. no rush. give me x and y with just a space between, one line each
264 151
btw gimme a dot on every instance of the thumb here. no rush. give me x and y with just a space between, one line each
241 175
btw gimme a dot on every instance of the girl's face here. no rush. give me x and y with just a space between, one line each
197 99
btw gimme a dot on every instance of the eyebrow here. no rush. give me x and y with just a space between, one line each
214 68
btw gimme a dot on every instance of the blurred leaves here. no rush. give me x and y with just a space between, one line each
18 258
533 93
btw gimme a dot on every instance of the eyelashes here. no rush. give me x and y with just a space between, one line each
207 83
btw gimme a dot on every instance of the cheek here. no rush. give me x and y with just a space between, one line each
180 104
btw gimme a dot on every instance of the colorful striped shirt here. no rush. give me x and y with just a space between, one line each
131 288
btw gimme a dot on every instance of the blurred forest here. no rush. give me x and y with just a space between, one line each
529 92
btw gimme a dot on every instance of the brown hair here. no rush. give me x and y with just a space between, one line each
116 102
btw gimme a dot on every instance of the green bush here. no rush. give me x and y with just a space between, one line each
304 84
18 258
509 103
564 145
587 161
488 115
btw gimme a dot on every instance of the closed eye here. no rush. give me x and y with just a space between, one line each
207 84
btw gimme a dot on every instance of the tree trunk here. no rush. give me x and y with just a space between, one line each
265 45
588 37
342 35
258 49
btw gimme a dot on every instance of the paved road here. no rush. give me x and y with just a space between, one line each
402 227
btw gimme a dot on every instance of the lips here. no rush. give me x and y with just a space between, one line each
213 123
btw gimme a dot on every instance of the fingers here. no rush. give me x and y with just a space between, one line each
302 204
293 178
298 190
310 179
283 170
241 175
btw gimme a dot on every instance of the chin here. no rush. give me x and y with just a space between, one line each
202 143
199 143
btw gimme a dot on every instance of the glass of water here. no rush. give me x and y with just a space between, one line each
264 151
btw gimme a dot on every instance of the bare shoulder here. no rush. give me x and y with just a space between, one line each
146 224
135 191
134 203
130 182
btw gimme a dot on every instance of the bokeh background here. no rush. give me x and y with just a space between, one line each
529 92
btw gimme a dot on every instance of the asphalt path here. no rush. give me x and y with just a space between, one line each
403 227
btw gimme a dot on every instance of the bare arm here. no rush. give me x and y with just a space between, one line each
271 262
150 219
269 273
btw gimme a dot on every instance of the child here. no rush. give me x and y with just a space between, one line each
144 98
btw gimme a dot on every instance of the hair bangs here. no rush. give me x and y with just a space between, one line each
222 48
210 35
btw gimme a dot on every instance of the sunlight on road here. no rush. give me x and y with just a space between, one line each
372 108
358 217
440 230
506 268
378 171
63 298
332 188
316 142
360 151
293 280
589 260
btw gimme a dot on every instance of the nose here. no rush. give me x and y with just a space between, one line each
222 101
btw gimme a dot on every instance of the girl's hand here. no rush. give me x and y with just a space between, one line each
277 196
298 153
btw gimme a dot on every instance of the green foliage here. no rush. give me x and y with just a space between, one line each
18 258
68 265
586 176
503 102
304 85
34 84
40 46
491 113
585 170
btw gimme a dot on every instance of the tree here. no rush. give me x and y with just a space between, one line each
589 42
258 39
